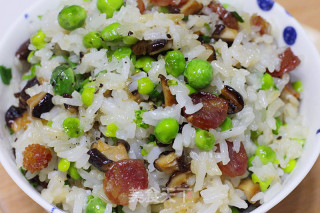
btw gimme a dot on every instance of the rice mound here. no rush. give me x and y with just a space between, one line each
239 64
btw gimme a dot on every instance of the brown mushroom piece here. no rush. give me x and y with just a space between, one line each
151 47
249 188
16 118
23 96
23 52
213 55
39 104
192 7
114 153
169 99
99 160
178 181
71 108
135 96
227 34
169 163
234 99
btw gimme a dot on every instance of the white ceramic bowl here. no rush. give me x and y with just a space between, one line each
284 26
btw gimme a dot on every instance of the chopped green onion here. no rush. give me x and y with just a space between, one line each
164 10
5 74
172 83
250 160
207 26
138 120
49 124
33 70
255 135
237 16
300 141
191 89
278 125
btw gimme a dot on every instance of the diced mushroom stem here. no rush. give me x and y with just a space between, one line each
151 47
182 204
169 163
178 182
99 160
114 153
40 103
227 35
261 23
169 99
16 118
191 7
135 96
249 188
213 55
234 98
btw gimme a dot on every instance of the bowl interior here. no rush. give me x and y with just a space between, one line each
280 20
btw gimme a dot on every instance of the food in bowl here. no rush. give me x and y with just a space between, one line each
155 106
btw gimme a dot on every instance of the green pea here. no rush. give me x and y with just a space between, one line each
73 172
109 6
87 94
95 205
64 165
92 40
129 40
72 17
290 166
145 63
111 130
191 89
175 63
199 73
264 185
166 130
71 126
278 125
204 140
63 80
226 125
266 154
38 40
297 86
145 86
110 33
122 52
267 81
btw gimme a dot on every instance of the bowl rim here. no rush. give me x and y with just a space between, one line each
36 196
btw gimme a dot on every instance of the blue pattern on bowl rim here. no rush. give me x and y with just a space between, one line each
290 35
265 5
